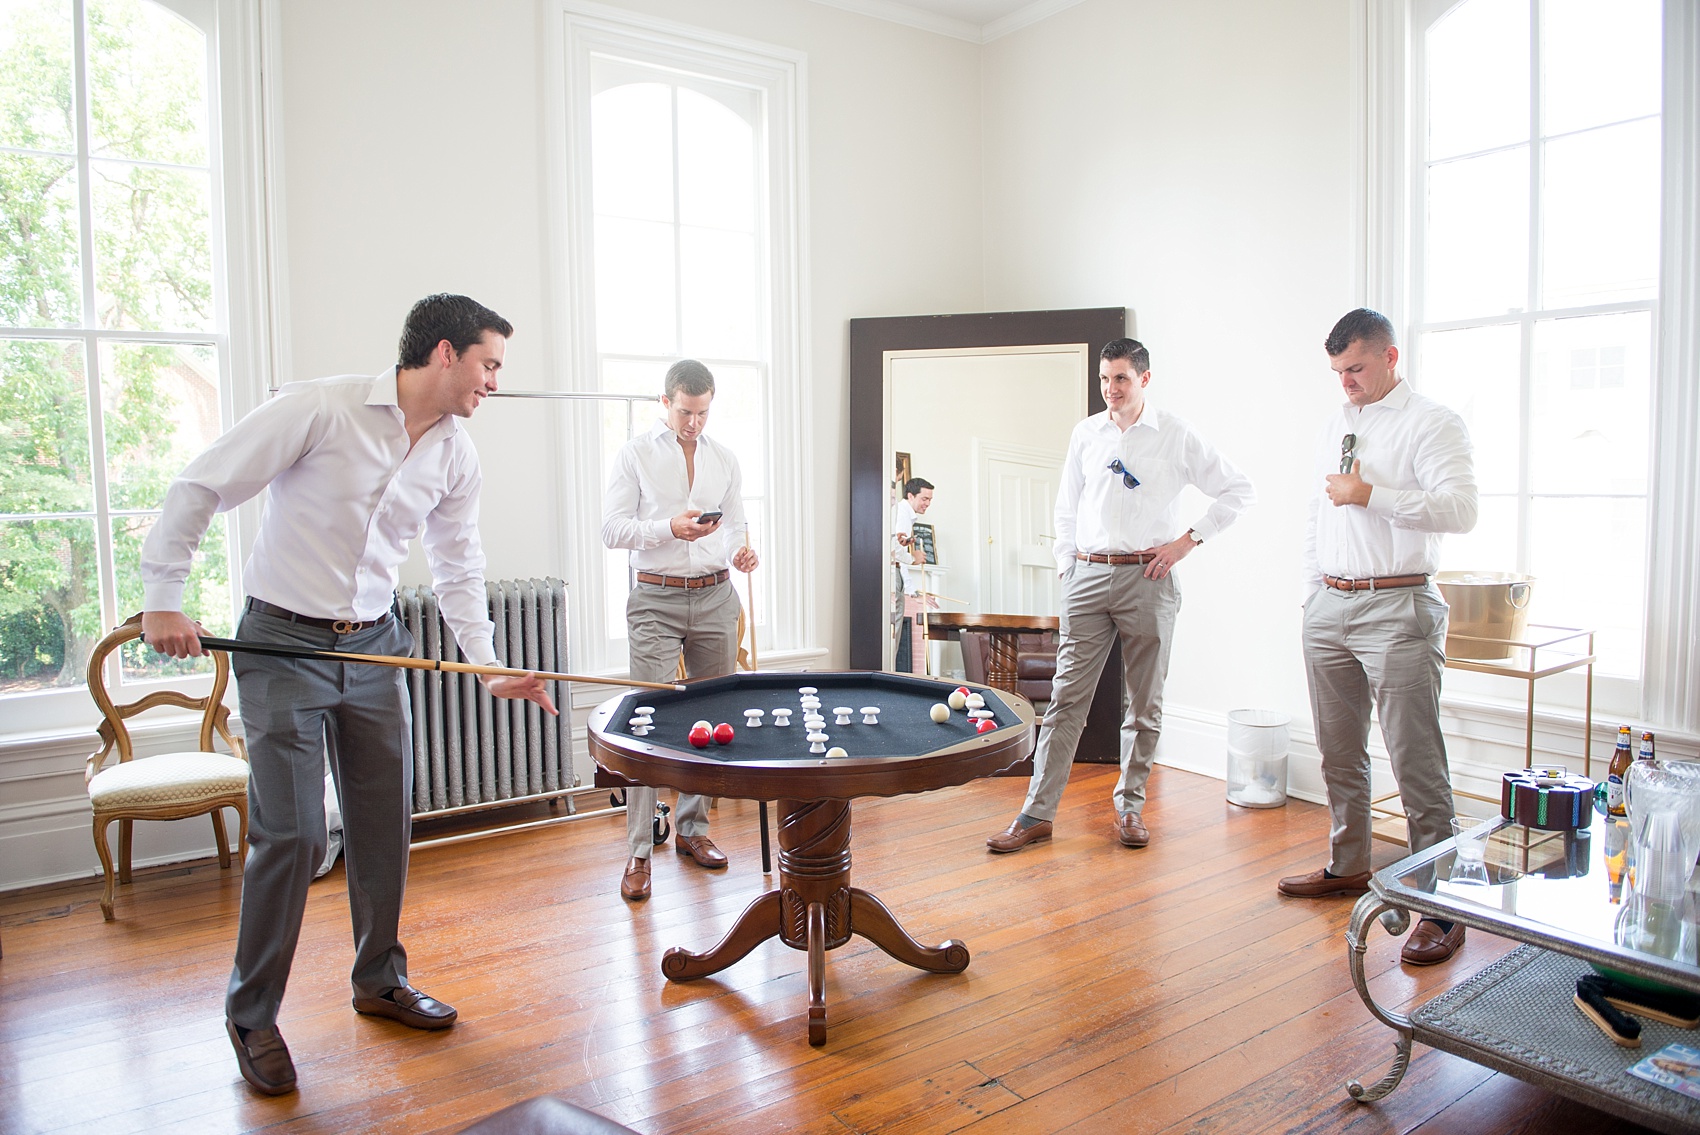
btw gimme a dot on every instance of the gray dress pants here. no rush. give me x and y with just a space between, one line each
296 713
1386 649
1098 601
661 623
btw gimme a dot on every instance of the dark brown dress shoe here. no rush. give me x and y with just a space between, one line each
409 1006
1018 837
263 1058
1319 885
699 848
1131 830
634 884
1430 945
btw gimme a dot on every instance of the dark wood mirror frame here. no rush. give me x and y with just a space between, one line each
870 339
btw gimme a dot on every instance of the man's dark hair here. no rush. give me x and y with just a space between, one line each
915 485
1374 328
1130 349
689 376
460 320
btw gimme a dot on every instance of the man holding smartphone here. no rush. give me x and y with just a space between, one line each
675 502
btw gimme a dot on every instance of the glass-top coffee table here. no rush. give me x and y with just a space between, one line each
1563 895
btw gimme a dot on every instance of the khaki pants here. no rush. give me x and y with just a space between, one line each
662 623
1386 649
1098 601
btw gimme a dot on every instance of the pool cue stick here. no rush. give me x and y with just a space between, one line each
283 650
750 594
926 640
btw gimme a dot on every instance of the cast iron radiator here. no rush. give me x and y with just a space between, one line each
470 749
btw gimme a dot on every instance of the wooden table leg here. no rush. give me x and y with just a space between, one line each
874 921
817 974
758 923
815 909
1000 660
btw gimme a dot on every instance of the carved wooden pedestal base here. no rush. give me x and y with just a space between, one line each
815 909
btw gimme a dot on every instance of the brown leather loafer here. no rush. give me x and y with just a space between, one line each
1318 885
263 1058
409 1006
1018 837
634 884
701 849
1131 830
1429 945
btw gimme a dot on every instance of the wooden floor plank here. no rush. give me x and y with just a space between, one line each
1165 989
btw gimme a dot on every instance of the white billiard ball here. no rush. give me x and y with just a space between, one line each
940 712
835 753
958 699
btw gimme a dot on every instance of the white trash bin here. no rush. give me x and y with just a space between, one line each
1257 758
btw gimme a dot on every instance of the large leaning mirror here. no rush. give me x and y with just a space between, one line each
981 406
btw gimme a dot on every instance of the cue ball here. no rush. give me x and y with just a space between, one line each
835 753
940 712
703 725
958 699
723 734
700 736
986 725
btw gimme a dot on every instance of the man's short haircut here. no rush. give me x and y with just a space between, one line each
1131 349
689 377
1374 328
460 320
915 485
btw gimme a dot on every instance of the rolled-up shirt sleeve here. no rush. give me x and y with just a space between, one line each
1445 500
234 469
1217 477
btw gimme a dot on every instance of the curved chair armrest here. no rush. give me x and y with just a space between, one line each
96 759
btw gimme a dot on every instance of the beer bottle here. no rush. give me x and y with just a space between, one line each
1646 753
1620 762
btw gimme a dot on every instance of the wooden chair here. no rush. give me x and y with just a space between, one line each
169 786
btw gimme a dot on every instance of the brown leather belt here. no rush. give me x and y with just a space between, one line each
1378 584
340 626
691 581
1118 558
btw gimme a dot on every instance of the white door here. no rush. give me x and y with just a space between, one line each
1018 493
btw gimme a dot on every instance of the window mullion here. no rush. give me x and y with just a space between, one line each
678 235
1532 300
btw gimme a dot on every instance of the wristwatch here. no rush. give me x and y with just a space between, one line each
1195 537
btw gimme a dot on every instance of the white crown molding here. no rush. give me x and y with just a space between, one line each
911 16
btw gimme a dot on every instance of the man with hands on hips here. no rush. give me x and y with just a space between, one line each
1395 473
682 601
1115 513
357 467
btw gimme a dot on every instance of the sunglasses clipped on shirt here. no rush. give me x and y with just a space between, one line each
1348 452
1120 470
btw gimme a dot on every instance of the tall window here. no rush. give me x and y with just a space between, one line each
681 165
1536 229
679 242
111 335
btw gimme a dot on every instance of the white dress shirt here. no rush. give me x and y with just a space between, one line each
346 499
647 488
1097 512
1416 454
903 524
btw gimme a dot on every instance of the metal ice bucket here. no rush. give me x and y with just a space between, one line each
1485 604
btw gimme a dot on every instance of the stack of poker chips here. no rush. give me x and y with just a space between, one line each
1549 798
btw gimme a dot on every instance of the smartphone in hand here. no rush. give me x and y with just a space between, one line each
710 517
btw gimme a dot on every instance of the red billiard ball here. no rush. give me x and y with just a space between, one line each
964 690
700 736
723 734
986 725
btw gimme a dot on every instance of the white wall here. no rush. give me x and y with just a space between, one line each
1197 164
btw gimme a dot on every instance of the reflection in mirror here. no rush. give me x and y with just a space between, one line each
988 428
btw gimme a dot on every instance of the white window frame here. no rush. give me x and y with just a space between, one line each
778 75
245 249
1668 694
